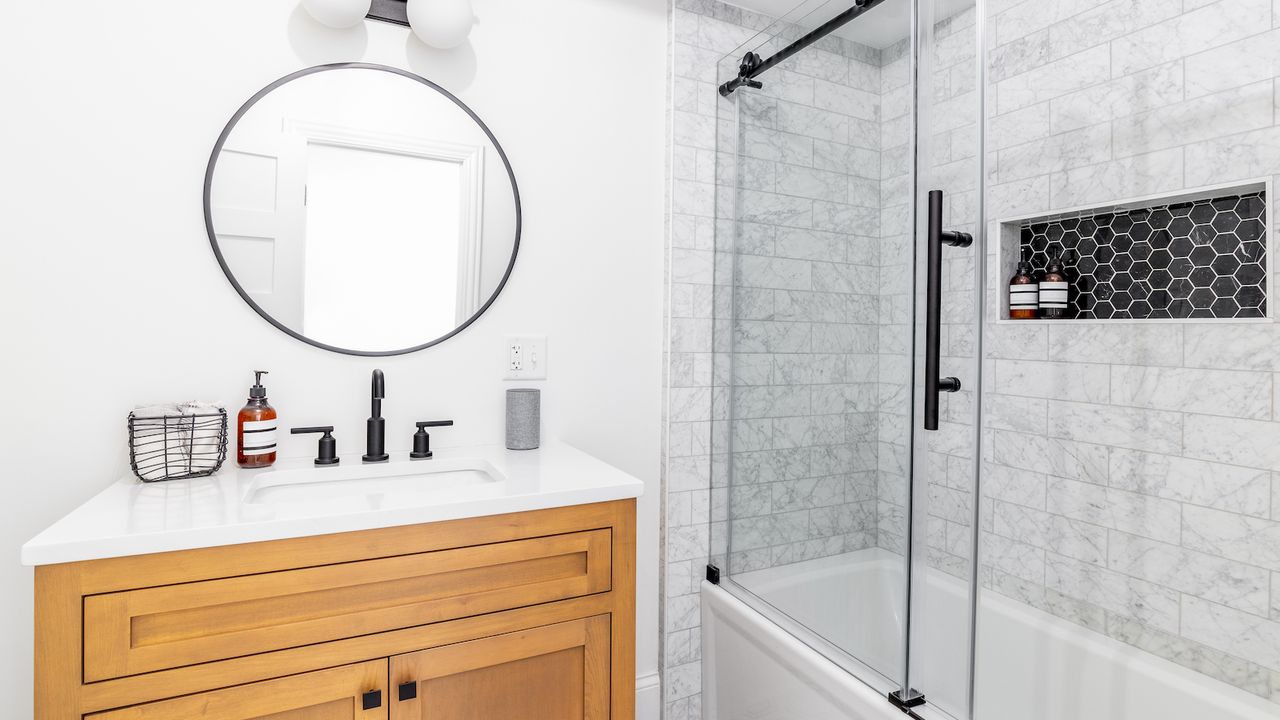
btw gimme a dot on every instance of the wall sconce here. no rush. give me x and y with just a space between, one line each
441 24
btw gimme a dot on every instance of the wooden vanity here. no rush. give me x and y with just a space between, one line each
521 616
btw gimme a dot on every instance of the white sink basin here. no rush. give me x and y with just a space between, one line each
395 482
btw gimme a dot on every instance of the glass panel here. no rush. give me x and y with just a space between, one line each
950 153
814 310
1131 538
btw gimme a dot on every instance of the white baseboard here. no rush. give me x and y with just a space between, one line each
648 697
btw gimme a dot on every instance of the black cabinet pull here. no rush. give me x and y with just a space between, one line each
933 384
371 700
407 691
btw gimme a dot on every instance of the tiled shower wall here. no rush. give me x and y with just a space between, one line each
806 310
1131 481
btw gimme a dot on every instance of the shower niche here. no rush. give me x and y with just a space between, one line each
1196 255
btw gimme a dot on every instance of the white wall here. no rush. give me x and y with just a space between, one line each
110 296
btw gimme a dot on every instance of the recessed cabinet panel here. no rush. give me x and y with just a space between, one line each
341 693
555 672
140 631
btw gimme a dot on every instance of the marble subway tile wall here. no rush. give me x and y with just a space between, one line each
1132 478
803 282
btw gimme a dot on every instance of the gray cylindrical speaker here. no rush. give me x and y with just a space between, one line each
524 418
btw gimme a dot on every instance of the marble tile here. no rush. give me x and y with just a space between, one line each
1251 443
1054 79
1211 578
1186 122
1018 55
1014 485
1132 428
1087 382
1025 18
1232 631
1224 487
775 273
1100 24
1018 559
1238 537
1020 126
812 122
718 35
806 493
1250 154
1113 591
1073 538
1115 509
1252 59
1127 95
1187 653
774 209
1159 345
694 63
1227 348
811 183
776 146
1138 175
1189 33
1072 149
1237 394
771 401
1020 197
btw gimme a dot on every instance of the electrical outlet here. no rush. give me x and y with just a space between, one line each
526 357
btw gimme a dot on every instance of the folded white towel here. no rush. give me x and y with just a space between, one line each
174 445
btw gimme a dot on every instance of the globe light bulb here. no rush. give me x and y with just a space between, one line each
441 24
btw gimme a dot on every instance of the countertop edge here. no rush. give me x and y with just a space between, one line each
199 538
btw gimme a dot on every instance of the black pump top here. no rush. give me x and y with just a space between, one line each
1024 264
1055 262
258 390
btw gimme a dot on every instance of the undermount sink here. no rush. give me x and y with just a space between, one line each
404 479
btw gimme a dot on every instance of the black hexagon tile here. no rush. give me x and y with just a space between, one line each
1201 259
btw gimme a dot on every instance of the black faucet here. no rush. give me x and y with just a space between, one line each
376 434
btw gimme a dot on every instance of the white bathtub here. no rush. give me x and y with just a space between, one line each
1031 665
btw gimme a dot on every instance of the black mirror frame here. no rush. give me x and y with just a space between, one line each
213 238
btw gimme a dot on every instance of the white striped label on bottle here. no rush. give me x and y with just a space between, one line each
1024 297
1053 295
259 437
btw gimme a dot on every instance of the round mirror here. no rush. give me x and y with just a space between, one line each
362 209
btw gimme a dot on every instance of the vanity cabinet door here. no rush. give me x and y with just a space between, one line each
350 692
554 672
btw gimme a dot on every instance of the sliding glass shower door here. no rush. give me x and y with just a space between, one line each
844 431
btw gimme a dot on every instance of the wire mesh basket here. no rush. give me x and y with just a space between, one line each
176 447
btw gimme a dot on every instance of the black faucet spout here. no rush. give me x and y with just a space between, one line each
376 427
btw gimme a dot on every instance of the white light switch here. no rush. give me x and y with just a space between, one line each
526 357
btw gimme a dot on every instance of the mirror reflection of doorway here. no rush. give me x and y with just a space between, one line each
413 211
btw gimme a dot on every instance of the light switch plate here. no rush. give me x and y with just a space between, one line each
526 357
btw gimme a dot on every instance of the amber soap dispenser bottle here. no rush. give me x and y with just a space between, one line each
1024 292
256 428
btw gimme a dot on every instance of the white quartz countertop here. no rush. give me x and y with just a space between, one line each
291 500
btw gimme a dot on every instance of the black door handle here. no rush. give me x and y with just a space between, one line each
407 690
371 700
933 384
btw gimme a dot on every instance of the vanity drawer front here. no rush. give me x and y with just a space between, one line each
139 631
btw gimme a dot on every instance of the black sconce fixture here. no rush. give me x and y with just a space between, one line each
392 11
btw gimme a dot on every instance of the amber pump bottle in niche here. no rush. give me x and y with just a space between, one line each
1054 289
1024 292
256 428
